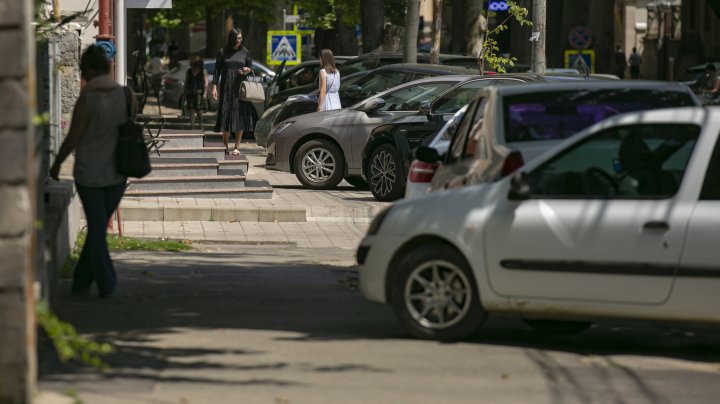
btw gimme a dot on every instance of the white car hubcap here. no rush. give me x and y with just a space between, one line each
437 294
318 165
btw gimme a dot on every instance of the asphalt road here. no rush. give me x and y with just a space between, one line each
277 324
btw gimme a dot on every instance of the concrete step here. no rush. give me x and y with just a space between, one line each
171 167
235 193
181 138
151 211
232 162
192 152
180 183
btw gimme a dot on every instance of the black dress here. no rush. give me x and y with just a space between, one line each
233 115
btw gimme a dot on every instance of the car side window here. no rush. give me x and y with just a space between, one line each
409 98
382 81
475 113
711 185
304 76
459 97
645 161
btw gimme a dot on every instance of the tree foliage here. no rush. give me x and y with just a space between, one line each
190 12
490 45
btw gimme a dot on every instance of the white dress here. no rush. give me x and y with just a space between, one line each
332 84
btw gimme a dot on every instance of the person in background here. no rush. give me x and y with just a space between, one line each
620 62
156 69
100 109
329 82
196 86
232 65
635 61
709 84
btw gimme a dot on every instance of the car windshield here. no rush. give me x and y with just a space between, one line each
554 115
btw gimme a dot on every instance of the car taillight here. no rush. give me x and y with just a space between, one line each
421 172
168 80
512 162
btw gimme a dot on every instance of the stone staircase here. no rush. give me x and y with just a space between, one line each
193 163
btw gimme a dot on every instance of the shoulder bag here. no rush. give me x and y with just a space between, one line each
132 155
251 90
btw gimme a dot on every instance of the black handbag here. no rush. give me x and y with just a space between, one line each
132 155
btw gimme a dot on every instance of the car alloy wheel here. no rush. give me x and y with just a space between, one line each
384 174
434 295
319 164
437 294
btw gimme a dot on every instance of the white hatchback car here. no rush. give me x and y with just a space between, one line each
620 221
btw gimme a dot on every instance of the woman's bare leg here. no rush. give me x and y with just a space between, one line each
191 113
238 136
226 139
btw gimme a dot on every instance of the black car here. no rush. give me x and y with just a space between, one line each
389 149
353 89
373 60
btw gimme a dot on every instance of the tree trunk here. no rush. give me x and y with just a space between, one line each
602 25
372 21
457 28
215 33
412 22
539 12
436 32
520 46
476 27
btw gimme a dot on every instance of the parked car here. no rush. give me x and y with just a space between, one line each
357 87
691 75
619 221
508 126
298 79
323 147
390 148
373 60
420 173
173 84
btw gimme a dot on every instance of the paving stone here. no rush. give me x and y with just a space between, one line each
185 213
234 215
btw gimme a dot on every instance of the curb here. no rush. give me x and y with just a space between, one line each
211 214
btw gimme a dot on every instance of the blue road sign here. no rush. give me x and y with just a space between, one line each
497 6
283 46
582 60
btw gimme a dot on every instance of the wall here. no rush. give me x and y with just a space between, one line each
17 334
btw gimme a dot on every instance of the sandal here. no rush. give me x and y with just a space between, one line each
236 151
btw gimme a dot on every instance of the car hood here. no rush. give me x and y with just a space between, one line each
444 213
408 119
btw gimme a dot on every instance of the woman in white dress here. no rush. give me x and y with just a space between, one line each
329 82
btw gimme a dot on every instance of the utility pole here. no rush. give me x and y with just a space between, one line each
538 38
412 22
436 32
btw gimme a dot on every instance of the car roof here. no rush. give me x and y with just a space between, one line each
593 85
426 67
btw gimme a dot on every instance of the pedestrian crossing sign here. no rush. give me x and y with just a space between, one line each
581 60
283 46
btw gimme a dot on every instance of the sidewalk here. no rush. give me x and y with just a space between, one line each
294 216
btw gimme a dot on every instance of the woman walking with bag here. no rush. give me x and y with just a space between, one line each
99 111
232 66
329 82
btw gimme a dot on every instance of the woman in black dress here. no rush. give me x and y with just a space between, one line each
231 67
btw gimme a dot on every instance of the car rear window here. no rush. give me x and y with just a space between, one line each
555 115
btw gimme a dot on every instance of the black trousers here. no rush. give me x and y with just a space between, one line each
95 264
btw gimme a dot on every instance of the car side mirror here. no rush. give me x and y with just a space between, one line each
267 79
519 187
352 91
425 108
373 105
427 155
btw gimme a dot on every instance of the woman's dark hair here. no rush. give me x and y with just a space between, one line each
327 61
94 59
231 40
196 61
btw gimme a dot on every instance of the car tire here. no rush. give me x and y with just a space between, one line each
385 174
323 175
357 182
430 309
557 327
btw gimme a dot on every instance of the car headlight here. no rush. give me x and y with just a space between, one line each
280 127
378 221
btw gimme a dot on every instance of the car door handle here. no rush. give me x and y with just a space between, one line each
656 225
